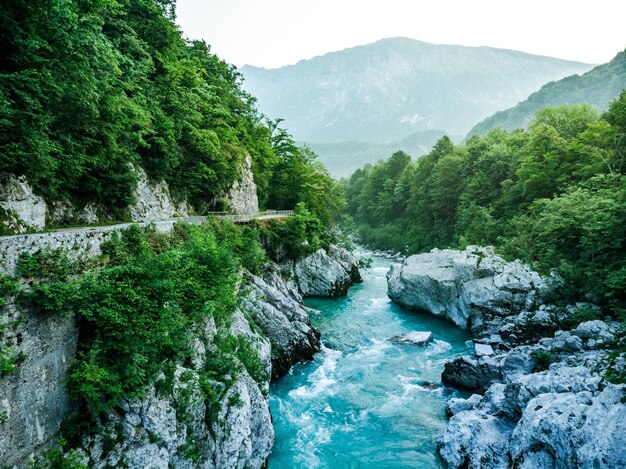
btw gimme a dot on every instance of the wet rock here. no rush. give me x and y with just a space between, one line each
474 374
414 337
467 287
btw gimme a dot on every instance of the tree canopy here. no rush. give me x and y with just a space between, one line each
553 195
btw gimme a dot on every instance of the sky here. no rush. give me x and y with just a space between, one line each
274 33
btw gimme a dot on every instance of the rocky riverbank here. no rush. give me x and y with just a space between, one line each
185 419
541 399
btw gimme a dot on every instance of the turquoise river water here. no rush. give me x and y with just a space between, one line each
365 401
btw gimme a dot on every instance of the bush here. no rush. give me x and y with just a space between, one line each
543 359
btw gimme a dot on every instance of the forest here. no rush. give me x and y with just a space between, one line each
552 195
90 87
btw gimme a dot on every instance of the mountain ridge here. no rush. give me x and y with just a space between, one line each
386 91
597 87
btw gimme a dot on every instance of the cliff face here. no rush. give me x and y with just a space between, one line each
185 419
34 398
21 210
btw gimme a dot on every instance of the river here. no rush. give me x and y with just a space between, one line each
365 401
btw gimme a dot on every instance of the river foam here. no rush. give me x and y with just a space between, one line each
365 400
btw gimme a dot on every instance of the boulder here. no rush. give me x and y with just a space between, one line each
595 330
466 287
474 374
23 210
320 275
563 341
475 439
483 349
572 430
458 404
414 337
347 260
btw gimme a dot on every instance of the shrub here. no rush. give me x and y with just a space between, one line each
543 359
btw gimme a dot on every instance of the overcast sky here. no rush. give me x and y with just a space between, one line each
273 33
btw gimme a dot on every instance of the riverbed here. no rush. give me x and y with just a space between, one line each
365 401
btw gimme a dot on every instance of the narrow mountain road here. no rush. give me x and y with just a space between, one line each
195 220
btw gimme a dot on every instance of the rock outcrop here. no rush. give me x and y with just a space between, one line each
275 305
564 416
153 201
528 418
242 197
34 398
179 427
184 427
22 209
468 287
326 272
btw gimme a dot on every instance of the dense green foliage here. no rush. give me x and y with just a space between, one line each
554 195
89 88
597 87
142 303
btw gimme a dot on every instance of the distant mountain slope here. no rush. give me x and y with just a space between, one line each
597 87
392 88
344 158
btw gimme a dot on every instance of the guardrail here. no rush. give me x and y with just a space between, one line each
267 214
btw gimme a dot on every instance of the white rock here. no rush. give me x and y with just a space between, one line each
153 201
457 404
594 330
274 304
242 198
475 439
572 430
464 286
482 349
24 209
415 337
320 275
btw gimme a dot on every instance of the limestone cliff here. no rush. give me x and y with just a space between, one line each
21 210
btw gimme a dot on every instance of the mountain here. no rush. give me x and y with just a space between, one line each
597 87
388 90
344 158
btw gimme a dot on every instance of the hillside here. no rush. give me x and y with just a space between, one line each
390 89
343 158
596 87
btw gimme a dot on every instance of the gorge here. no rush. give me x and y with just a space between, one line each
184 285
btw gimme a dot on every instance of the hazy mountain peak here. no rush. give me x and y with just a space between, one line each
392 88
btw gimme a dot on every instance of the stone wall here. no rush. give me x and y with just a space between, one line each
81 243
